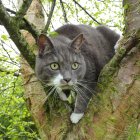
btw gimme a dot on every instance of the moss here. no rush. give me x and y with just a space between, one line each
99 131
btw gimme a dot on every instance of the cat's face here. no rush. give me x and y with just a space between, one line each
60 62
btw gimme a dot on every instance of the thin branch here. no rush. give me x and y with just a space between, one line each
87 12
23 9
46 13
6 71
64 12
76 10
11 11
20 85
10 62
10 46
50 16
7 52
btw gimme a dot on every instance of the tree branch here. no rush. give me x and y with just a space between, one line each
24 24
50 16
128 43
23 9
87 12
12 26
64 12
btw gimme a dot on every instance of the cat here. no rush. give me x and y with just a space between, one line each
73 59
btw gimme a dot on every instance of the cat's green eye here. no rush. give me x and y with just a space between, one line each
54 66
75 66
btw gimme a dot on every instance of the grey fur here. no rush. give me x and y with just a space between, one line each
95 50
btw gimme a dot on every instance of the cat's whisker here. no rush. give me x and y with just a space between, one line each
49 89
84 81
52 90
84 86
89 82
82 92
87 88
78 92
55 95
43 81
48 85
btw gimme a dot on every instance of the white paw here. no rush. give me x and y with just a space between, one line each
75 117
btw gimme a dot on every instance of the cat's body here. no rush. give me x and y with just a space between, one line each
73 59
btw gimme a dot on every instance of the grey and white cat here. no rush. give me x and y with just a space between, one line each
73 59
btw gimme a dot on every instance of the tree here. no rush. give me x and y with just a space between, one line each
114 112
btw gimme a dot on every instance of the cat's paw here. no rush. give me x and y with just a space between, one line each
75 117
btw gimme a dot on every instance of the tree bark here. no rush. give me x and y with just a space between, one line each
34 91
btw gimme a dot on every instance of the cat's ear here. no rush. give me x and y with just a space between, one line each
77 42
44 43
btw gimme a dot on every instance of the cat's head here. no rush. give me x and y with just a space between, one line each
60 62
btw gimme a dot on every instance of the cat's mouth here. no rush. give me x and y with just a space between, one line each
65 87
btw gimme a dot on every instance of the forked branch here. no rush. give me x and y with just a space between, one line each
12 26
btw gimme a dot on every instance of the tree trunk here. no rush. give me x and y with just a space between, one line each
34 92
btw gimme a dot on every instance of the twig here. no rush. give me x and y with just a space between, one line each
87 12
11 11
18 85
50 16
6 71
10 46
64 12
46 13
76 10
7 52
10 62
13 90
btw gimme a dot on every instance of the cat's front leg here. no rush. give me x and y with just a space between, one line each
81 103
61 94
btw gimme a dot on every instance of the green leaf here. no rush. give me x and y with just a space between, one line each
4 37
53 34
126 6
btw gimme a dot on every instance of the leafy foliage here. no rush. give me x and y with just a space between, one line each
107 12
15 120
